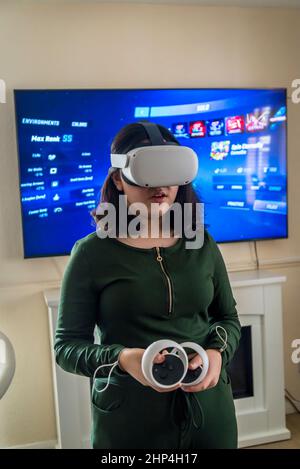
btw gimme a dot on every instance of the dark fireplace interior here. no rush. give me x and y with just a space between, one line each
240 367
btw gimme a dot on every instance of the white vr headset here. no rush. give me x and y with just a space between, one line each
159 164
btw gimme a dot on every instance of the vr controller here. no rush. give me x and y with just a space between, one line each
174 369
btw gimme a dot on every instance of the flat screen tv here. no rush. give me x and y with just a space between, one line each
64 138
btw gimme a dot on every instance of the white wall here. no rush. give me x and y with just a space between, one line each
90 45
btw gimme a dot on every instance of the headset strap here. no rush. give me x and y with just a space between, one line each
119 160
153 132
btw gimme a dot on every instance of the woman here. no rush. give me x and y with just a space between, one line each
137 291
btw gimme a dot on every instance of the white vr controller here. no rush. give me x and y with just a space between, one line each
174 369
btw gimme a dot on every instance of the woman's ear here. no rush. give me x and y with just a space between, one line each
117 180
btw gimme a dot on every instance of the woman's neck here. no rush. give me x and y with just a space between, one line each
158 233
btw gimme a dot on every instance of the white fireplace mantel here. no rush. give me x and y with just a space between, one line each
261 418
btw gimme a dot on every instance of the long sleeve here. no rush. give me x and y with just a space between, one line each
222 310
74 346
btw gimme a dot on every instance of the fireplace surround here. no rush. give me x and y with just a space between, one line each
256 371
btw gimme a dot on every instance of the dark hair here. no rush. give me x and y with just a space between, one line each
131 136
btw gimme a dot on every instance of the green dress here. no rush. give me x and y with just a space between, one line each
136 296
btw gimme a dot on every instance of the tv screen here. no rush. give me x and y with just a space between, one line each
64 139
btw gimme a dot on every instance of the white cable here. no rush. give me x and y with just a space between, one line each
223 340
114 364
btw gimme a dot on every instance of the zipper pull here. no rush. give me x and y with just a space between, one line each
159 258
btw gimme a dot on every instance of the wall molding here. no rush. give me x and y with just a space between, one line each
47 444
280 262
42 284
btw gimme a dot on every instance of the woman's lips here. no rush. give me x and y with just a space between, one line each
158 198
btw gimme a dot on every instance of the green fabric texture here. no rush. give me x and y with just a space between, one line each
125 292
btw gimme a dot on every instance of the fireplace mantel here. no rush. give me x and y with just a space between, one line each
261 417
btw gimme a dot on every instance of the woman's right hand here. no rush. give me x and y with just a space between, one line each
130 360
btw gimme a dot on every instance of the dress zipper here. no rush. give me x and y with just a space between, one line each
160 260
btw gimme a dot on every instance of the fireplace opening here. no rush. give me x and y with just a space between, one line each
240 368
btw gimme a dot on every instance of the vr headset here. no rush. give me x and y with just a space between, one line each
157 164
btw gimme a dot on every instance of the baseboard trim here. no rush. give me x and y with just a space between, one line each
266 437
289 409
48 444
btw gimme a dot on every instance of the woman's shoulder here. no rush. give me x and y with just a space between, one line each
209 243
91 242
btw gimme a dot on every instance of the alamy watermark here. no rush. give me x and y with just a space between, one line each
159 212
296 353
296 93
2 91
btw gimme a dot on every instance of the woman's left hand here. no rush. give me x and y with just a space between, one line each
213 373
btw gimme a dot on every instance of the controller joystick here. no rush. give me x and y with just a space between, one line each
191 375
168 372
174 369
